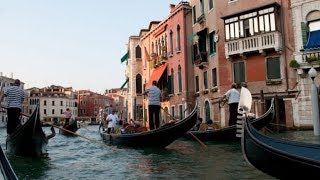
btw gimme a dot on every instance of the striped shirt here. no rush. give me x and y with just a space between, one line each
15 96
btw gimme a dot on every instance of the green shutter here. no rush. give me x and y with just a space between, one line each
242 72
169 85
273 68
205 81
304 32
180 81
197 83
207 108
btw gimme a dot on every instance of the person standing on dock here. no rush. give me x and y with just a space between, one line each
233 97
15 96
154 94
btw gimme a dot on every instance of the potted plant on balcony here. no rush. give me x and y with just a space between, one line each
294 64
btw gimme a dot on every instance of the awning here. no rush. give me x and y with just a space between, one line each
313 40
192 36
125 57
156 74
124 83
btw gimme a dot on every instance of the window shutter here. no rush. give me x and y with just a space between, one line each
304 33
273 68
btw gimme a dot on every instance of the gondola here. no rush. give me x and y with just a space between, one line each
158 138
229 133
283 159
7 172
29 138
69 129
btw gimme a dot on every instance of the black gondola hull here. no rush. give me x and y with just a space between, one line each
6 169
229 133
29 139
73 127
161 137
282 159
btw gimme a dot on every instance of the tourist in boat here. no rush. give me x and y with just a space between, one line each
154 94
233 97
68 115
15 96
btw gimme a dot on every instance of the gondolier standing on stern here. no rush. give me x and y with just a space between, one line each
154 94
233 97
15 96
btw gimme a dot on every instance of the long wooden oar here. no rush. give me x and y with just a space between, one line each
188 132
93 140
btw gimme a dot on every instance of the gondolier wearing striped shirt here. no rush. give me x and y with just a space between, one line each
15 96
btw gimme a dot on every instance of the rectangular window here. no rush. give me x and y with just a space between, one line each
239 72
61 111
241 29
197 83
231 30
266 22
44 102
45 111
272 22
261 24
227 32
194 14
205 80
169 85
214 77
52 111
212 43
52 103
210 4
180 112
61 103
236 28
256 26
273 68
172 111
195 51
251 26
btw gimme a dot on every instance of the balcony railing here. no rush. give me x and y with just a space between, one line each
259 43
201 59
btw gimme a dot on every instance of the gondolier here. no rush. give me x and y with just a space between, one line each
15 96
154 94
233 97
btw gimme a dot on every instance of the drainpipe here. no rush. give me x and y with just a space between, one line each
185 59
283 45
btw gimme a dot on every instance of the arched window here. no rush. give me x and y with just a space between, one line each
172 81
171 42
138 52
138 84
207 110
178 39
152 47
179 79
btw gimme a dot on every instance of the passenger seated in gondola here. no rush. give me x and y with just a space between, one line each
209 128
197 126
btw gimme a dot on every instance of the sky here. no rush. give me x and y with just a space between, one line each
72 43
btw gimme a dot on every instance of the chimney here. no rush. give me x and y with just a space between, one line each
172 6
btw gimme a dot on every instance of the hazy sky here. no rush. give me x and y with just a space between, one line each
76 43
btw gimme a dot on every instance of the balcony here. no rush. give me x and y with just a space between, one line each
258 43
201 59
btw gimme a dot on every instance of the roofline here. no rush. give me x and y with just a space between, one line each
252 9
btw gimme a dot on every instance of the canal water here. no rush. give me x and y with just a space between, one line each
78 158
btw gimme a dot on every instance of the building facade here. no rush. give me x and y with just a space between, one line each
166 60
306 26
53 101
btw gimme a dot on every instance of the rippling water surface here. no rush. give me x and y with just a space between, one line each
78 158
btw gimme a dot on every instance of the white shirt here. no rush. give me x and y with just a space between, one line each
154 94
233 96
113 121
